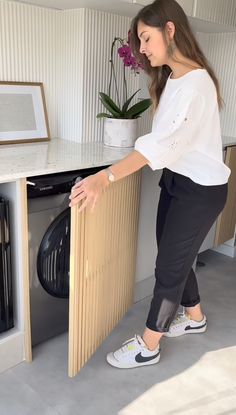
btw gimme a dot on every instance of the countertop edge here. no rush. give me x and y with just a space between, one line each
55 156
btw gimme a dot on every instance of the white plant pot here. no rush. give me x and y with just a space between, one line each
120 132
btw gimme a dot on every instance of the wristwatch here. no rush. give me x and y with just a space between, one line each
110 175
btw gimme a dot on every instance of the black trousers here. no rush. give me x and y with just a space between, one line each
186 212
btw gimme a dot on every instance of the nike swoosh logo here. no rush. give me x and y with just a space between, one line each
141 359
195 328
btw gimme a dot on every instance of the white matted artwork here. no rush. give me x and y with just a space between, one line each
23 113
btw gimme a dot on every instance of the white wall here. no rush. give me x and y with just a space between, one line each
28 36
84 50
100 30
69 72
67 50
220 50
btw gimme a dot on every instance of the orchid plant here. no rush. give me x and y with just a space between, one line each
118 110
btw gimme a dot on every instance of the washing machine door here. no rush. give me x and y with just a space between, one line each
49 314
53 257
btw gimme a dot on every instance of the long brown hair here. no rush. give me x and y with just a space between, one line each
157 15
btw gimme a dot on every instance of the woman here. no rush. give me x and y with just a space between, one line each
186 143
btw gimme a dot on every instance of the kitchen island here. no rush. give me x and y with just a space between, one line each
106 241
102 250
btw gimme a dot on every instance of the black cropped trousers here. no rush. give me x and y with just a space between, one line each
186 212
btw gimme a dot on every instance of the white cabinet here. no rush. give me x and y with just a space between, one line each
141 2
222 12
15 344
217 11
187 6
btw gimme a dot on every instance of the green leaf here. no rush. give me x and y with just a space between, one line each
126 104
138 108
110 109
103 115
109 104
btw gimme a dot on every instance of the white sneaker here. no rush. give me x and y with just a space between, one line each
182 324
133 353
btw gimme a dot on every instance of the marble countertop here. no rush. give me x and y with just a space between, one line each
58 155
54 156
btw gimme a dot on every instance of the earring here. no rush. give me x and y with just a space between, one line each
171 48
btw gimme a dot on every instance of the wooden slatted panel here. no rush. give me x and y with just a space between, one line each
102 264
25 269
225 227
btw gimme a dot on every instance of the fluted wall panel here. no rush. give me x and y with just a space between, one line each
220 11
70 71
220 50
69 52
100 30
28 37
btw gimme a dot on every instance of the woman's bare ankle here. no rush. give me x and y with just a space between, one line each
151 338
194 313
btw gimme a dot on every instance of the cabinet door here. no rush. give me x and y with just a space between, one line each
102 268
218 11
225 227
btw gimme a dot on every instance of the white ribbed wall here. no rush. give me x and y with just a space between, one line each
220 50
220 11
69 52
28 37
100 30
70 72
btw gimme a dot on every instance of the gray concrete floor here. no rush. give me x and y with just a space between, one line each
196 374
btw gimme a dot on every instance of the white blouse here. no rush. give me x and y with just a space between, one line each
186 135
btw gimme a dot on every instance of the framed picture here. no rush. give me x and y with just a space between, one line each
23 113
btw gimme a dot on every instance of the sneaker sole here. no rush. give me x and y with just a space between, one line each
192 331
113 362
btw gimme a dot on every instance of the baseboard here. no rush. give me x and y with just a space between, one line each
11 350
144 288
226 250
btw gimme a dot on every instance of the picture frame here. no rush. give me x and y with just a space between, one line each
23 113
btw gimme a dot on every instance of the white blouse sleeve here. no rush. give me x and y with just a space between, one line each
173 130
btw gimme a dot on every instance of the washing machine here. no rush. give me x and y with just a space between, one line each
49 225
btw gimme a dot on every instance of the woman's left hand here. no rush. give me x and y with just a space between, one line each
89 189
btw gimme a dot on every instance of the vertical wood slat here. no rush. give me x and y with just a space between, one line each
225 226
102 268
25 269
76 268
